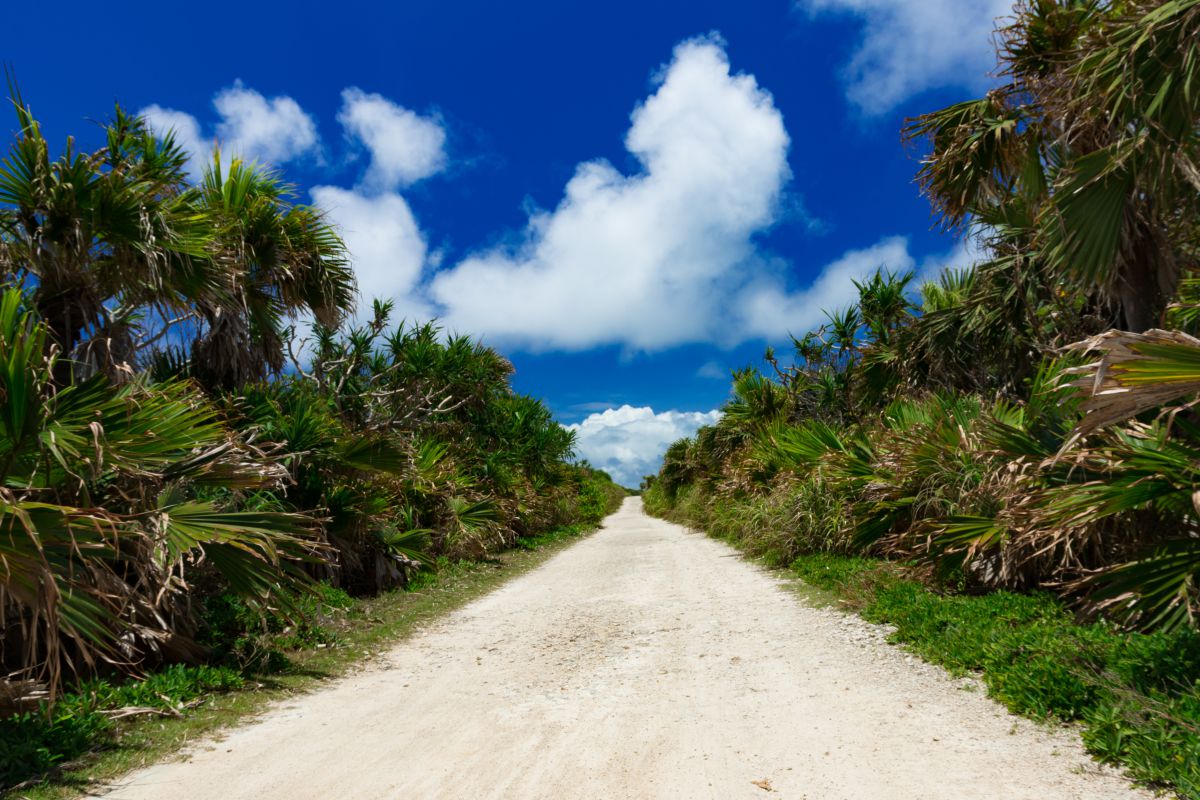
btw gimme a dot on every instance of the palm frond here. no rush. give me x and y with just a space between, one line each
1136 372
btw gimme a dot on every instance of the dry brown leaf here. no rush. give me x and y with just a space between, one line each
1107 399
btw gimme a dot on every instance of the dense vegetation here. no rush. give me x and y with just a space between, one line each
1027 423
180 470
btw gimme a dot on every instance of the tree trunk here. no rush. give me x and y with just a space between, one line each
63 317
1150 278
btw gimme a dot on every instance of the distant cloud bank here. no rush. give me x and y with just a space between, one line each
628 442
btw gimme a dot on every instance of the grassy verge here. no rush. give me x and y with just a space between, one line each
1136 696
181 704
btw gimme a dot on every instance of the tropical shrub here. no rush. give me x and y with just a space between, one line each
36 741
184 477
112 496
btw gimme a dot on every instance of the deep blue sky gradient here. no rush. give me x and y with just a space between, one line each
527 91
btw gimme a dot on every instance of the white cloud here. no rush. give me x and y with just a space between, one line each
910 46
713 370
768 310
386 245
272 130
187 133
404 146
389 250
629 442
251 126
643 260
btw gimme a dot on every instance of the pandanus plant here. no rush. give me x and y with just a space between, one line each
1087 153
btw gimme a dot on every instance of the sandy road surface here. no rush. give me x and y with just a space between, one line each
643 662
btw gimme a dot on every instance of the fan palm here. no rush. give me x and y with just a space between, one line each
103 504
757 402
1091 149
1149 467
116 249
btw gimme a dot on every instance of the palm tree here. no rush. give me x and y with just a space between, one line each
117 250
280 260
108 495
100 237
1089 153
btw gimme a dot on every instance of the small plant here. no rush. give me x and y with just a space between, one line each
255 639
34 742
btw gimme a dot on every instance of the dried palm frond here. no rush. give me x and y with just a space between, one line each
1136 372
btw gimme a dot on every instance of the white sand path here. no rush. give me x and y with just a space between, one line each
643 662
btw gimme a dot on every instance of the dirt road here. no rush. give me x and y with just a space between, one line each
643 662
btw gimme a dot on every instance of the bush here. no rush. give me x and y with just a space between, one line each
32 744
591 504
252 639
35 742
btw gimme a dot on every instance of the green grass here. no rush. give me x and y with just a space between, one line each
1136 696
78 744
35 742
560 534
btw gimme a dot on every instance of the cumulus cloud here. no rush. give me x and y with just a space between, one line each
250 126
389 250
645 259
629 442
256 128
386 244
404 146
908 47
768 310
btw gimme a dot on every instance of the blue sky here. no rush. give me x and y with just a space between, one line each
628 199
